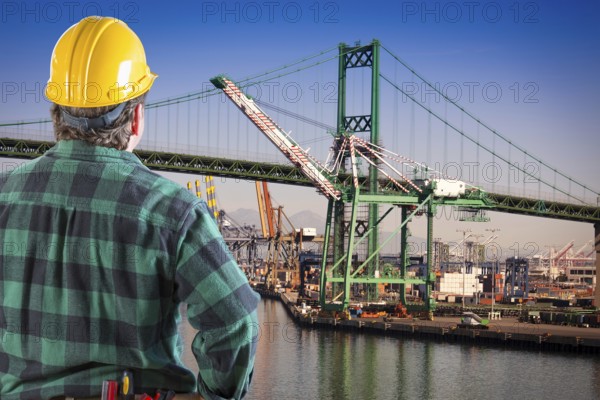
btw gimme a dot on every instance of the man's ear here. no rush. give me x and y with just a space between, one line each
137 123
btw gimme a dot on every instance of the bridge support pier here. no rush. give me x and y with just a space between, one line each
597 247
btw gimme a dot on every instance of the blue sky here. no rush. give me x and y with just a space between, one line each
548 52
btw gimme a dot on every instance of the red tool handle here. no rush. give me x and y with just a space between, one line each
109 390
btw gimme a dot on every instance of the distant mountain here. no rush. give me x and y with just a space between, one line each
308 219
244 216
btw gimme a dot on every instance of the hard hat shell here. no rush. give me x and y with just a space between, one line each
98 62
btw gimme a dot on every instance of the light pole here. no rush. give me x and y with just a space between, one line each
494 273
474 253
464 266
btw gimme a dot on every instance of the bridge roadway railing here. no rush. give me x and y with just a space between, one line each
288 174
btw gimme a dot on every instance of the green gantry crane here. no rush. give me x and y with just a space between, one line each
351 248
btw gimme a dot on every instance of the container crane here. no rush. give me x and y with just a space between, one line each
346 193
278 230
269 232
562 252
265 209
580 253
589 255
556 266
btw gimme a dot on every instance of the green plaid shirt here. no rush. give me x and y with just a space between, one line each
98 252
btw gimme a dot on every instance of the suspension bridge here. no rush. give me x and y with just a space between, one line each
366 91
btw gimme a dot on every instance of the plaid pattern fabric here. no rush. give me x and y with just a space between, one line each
97 254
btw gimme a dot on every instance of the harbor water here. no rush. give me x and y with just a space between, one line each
300 363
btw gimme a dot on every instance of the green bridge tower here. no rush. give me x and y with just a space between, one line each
352 259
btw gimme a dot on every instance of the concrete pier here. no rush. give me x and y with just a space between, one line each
505 332
597 247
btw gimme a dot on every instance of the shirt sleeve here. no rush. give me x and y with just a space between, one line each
221 306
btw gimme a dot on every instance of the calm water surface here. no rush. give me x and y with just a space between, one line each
295 363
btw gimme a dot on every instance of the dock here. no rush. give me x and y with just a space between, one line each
505 332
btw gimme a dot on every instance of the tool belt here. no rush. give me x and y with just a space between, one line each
124 389
181 396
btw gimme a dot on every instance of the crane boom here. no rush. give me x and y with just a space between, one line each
564 250
580 251
296 154
265 210
261 209
588 255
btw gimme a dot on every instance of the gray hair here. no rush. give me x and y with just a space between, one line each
116 135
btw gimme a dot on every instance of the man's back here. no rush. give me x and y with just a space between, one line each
97 254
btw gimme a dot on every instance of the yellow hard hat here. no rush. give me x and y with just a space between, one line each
98 62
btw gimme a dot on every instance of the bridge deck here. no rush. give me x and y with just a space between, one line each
279 173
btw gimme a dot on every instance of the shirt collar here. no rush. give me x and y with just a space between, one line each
81 150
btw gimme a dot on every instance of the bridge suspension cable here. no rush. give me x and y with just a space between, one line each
329 128
476 142
487 127
250 80
323 57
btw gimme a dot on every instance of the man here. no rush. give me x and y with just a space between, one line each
98 252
